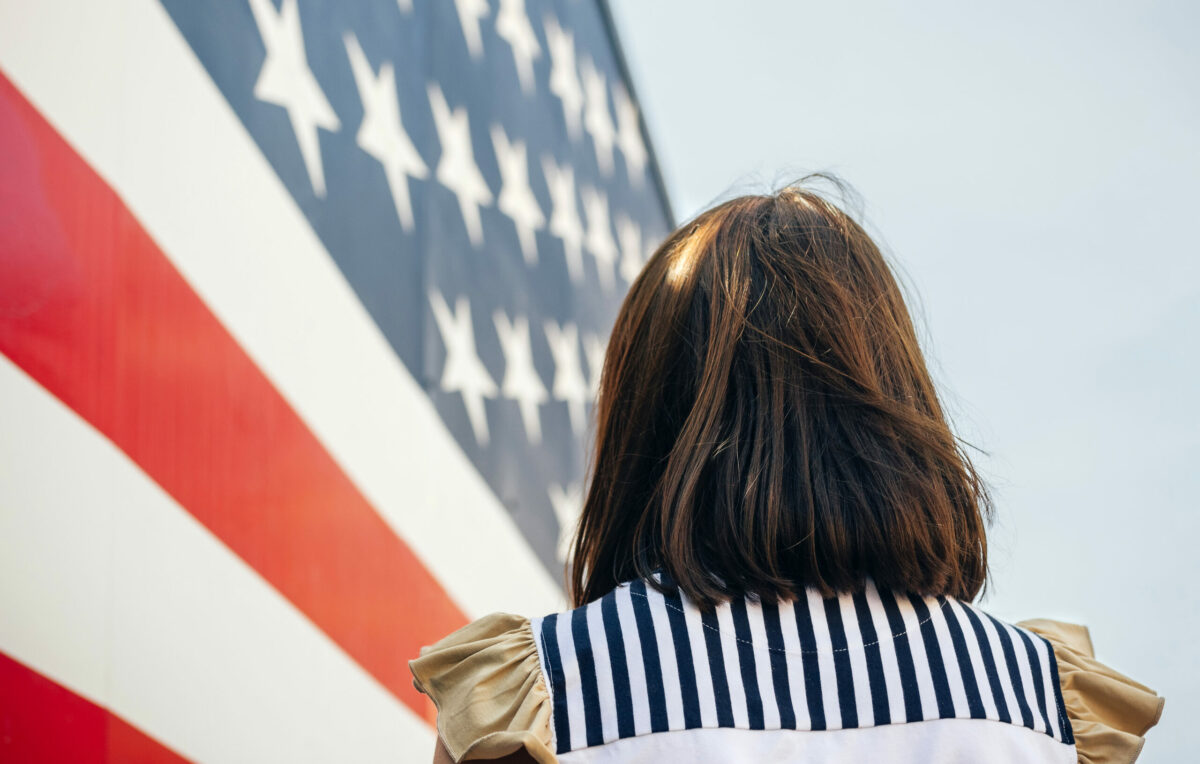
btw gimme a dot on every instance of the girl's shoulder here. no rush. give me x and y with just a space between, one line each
1110 713
489 688
639 661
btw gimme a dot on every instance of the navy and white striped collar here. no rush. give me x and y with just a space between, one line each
638 661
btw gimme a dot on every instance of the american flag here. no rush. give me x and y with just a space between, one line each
302 310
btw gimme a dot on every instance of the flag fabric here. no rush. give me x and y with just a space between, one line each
302 310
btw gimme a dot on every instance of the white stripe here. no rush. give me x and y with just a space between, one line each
1002 670
958 689
887 654
571 687
604 676
1048 682
916 642
122 85
1039 723
829 689
762 665
858 661
976 655
704 681
666 658
795 664
956 741
733 666
633 658
114 591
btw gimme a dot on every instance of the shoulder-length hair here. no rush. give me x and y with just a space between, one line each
766 421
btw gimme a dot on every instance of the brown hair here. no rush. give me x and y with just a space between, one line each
766 421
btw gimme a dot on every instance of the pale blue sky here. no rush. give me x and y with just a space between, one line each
1033 169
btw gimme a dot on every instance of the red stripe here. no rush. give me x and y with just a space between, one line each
93 310
44 722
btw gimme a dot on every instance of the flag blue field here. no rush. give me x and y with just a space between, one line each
481 178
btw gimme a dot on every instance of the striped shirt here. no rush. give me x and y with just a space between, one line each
641 675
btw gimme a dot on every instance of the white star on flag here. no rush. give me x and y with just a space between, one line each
596 117
629 236
599 234
567 502
564 218
464 371
564 80
457 170
512 25
521 380
516 197
629 135
469 14
382 134
594 347
569 383
285 80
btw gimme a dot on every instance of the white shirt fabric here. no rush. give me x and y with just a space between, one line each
951 740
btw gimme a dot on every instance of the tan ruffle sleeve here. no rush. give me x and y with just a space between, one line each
1110 713
488 687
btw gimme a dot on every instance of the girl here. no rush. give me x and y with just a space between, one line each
780 545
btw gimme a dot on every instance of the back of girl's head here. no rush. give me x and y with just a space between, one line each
766 421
